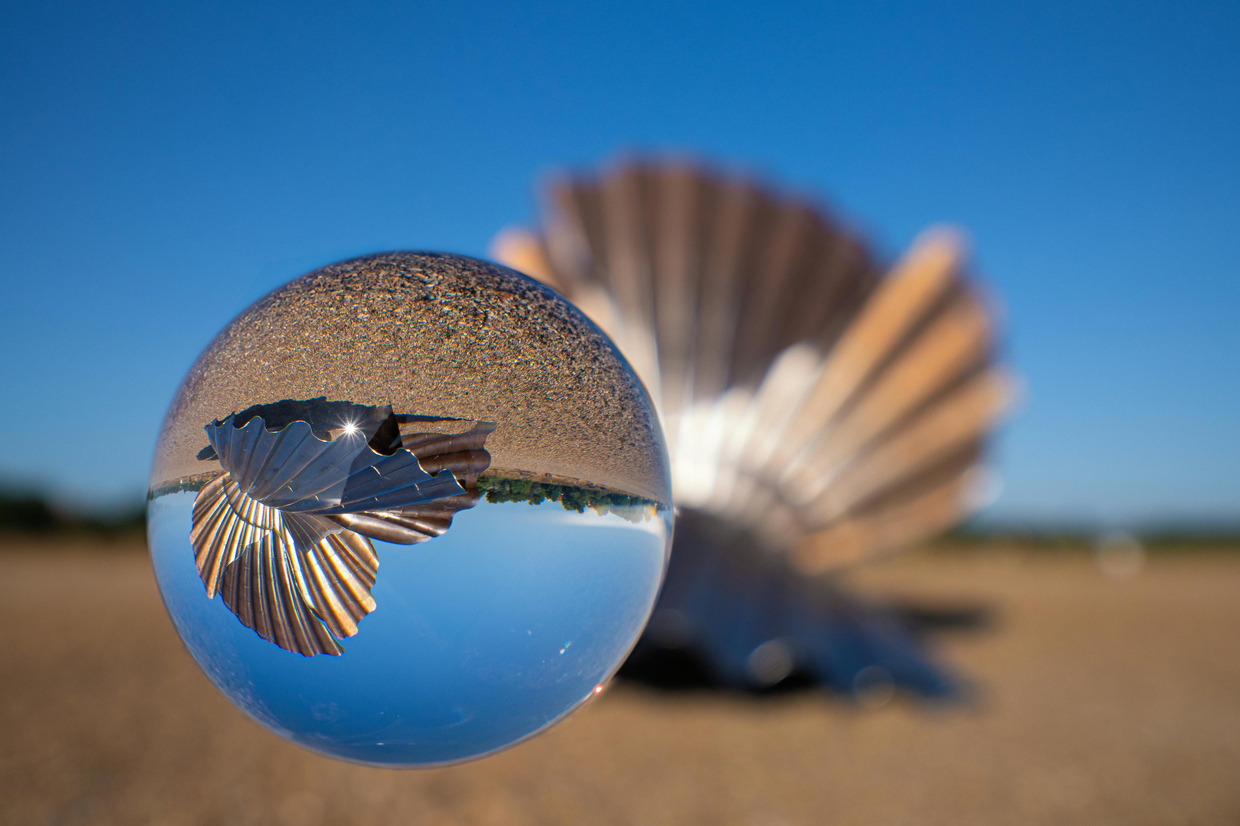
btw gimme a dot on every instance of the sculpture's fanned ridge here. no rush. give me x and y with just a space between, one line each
284 533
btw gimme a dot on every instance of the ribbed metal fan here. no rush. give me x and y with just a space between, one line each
283 533
818 412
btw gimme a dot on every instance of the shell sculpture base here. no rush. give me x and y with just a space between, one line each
818 412
410 509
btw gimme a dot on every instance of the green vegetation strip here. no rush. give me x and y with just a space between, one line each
573 498
192 484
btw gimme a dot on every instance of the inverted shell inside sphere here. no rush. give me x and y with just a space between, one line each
409 509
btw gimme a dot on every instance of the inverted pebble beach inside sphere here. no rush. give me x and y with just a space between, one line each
410 509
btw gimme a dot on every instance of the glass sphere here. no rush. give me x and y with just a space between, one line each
410 509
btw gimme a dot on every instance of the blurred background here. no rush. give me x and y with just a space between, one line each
161 167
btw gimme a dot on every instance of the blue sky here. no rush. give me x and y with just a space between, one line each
162 166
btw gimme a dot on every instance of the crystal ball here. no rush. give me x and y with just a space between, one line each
410 509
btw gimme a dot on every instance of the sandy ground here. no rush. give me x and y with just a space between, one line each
1100 701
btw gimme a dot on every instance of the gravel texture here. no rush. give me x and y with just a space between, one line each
1099 701
433 335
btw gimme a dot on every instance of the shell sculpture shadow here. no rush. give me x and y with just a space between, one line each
818 412
283 534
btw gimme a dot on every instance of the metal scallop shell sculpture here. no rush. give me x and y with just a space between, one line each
283 534
817 411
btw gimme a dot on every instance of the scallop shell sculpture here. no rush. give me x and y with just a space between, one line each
283 534
818 412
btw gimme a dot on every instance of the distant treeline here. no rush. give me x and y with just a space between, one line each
191 484
31 513
1165 537
572 497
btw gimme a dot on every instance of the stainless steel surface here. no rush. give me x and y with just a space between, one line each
833 412
283 534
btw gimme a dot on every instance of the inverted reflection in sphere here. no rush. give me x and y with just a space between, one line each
410 509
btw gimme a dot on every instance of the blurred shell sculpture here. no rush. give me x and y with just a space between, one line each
817 412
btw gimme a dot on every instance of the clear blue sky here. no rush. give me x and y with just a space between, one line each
162 166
